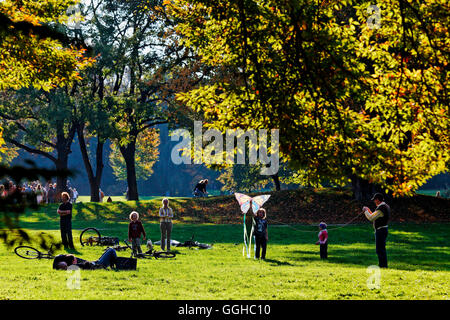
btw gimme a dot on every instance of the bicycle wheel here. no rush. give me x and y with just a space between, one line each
27 252
90 237
164 255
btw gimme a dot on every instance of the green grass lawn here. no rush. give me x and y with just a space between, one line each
430 192
116 198
419 260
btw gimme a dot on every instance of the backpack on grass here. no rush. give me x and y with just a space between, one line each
123 263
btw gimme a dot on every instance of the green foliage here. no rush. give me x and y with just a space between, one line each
147 153
349 99
37 121
32 52
242 178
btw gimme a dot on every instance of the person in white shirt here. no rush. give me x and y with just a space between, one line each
75 195
165 219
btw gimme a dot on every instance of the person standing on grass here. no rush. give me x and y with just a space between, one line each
380 218
261 234
51 194
165 219
65 222
75 195
39 194
323 240
135 230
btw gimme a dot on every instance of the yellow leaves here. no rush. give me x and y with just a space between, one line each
303 25
34 61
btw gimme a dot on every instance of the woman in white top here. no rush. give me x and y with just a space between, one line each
165 219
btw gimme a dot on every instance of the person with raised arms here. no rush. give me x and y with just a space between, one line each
379 218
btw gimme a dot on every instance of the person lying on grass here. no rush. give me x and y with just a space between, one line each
107 259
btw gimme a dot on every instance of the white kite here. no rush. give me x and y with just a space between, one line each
246 202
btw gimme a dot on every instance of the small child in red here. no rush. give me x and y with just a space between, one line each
323 240
135 230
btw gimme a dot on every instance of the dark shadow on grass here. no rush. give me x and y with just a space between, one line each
277 262
429 259
72 251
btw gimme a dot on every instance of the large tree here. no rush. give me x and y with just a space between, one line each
140 66
355 98
35 53
40 123
32 53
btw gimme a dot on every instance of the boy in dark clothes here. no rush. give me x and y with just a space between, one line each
261 235
135 229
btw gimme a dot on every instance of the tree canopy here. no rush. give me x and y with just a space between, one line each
33 52
353 94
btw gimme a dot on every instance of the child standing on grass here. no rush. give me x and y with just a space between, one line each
261 235
135 229
323 240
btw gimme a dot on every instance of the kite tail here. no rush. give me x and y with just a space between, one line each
251 236
245 247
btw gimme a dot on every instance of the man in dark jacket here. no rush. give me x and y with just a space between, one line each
380 218
107 259
65 213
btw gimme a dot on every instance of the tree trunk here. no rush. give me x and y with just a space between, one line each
276 182
94 180
362 189
128 153
63 149
99 163
61 164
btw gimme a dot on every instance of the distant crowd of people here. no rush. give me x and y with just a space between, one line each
44 193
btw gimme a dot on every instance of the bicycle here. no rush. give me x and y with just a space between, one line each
27 252
191 243
118 247
91 236
151 253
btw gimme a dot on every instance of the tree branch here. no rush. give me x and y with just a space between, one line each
31 150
